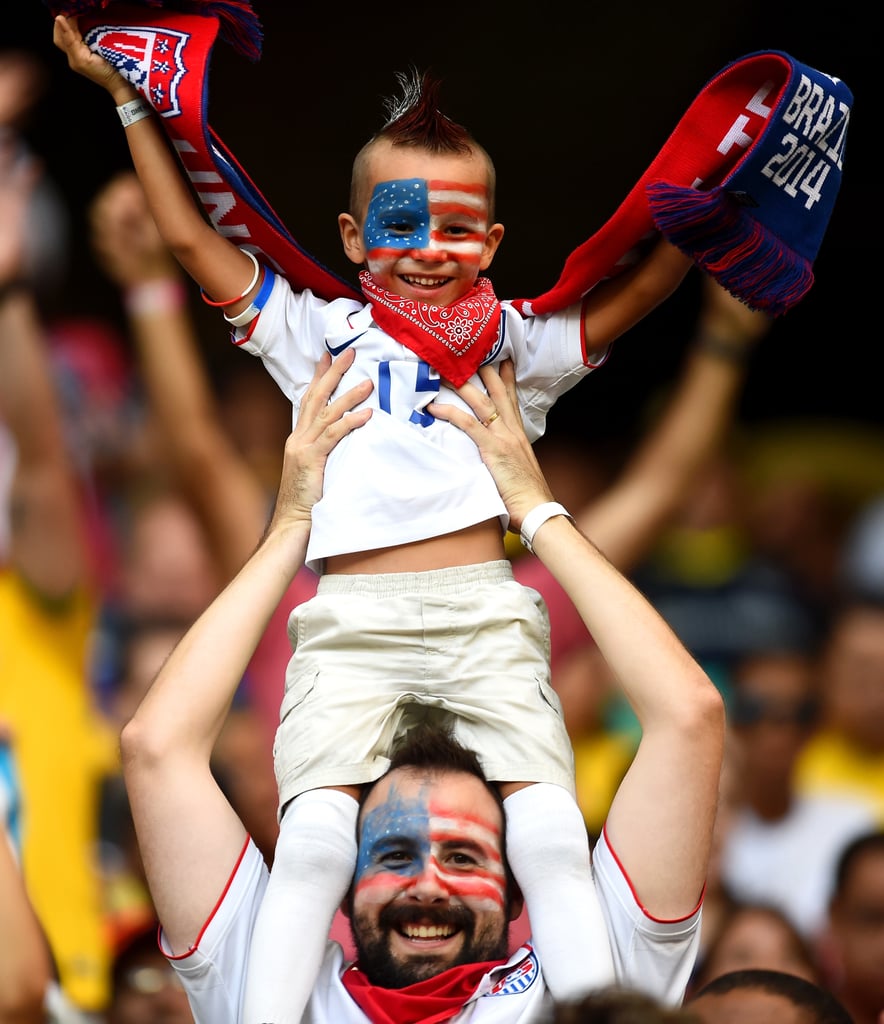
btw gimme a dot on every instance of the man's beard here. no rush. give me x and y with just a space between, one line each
380 966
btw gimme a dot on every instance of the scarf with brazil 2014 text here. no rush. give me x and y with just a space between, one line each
745 184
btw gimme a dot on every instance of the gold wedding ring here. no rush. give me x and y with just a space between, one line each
491 418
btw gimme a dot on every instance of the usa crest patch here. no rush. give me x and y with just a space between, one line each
520 978
152 59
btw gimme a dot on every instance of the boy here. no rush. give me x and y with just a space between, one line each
409 532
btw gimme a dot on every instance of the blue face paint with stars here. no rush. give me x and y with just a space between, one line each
405 837
398 215
396 824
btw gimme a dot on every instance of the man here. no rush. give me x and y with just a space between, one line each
144 988
782 844
431 890
845 756
766 997
853 948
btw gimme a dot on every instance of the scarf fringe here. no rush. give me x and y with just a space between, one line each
238 25
716 230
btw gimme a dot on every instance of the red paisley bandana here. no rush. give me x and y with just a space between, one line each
431 1001
452 339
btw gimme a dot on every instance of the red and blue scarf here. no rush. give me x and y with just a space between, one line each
745 184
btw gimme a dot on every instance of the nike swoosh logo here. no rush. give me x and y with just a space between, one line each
336 350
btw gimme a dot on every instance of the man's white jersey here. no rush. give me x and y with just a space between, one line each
652 956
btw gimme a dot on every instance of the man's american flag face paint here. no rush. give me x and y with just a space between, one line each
417 214
406 837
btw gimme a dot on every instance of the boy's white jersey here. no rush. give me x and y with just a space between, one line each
405 476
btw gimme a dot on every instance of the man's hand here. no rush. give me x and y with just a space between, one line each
501 440
321 424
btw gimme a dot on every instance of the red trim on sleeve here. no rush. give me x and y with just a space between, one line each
623 871
241 341
208 921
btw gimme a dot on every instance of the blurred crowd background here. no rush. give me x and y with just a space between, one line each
771 569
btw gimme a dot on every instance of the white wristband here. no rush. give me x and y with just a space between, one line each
246 317
134 110
537 517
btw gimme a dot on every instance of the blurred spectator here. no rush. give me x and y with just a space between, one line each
26 968
144 987
29 988
47 615
781 846
105 430
24 80
766 997
845 756
719 594
852 953
223 491
618 1006
167 570
798 522
602 751
807 482
718 900
186 538
756 935
862 557
242 762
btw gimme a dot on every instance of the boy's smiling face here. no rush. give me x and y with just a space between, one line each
425 231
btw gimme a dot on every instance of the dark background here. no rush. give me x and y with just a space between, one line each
573 107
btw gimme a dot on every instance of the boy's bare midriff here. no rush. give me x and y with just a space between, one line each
480 543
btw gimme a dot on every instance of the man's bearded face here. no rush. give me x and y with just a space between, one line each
430 888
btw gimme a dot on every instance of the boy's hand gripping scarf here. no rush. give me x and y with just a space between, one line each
745 184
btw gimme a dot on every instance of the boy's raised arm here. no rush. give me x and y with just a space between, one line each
219 267
616 305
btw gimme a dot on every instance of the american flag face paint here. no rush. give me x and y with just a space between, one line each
416 841
430 218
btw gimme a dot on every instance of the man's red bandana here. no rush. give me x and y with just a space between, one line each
452 339
432 1001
